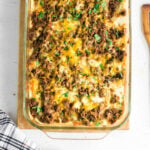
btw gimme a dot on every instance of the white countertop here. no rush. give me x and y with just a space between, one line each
137 137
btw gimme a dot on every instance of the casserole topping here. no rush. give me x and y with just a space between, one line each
76 61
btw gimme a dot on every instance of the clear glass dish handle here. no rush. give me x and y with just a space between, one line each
99 136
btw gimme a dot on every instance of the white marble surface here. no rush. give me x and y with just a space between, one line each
138 137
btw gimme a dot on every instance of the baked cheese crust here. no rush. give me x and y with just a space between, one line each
77 61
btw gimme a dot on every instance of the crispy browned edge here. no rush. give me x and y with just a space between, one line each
22 123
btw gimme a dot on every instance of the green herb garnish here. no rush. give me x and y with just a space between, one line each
54 16
57 53
102 67
117 48
37 62
109 41
38 109
90 11
79 53
71 44
69 28
42 3
97 123
87 51
96 8
83 74
65 43
106 32
66 94
34 98
90 30
63 31
68 58
41 15
97 37
104 4
61 18
66 48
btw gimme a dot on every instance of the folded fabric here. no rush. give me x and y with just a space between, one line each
11 138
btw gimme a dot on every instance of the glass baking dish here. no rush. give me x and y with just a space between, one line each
44 126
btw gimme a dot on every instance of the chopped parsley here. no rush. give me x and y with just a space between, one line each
87 51
117 48
83 74
38 109
96 8
90 11
97 37
66 48
102 67
106 32
90 30
66 94
69 28
42 3
37 62
79 53
54 16
76 15
57 53
97 123
109 41
68 58
65 43
41 15
104 4
34 98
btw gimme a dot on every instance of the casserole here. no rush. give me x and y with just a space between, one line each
77 64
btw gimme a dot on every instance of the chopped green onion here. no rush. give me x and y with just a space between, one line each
66 48
71 44
87 51
97 123
54 16
34 98
68 58
96 8
41 15
66 94
109 41
69 28
97 37
79 53
104 4
57 53
39 109
117 48
63 31
106 32
37 62
83 74
90 30
42 3
101 66
90 11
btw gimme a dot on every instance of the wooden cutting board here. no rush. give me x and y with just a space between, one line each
21 121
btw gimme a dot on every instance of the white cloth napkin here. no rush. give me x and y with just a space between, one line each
11 138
